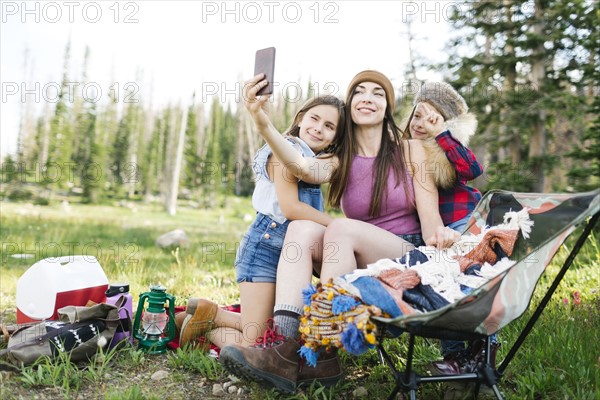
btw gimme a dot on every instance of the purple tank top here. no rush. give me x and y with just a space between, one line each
397 215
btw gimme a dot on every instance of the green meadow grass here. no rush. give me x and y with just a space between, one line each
559 360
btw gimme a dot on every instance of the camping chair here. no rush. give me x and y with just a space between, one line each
506 297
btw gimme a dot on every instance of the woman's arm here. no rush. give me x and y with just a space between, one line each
426 196
308 169
286 188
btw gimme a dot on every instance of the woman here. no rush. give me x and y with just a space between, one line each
391 202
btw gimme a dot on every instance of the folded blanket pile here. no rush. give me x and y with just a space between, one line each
337 314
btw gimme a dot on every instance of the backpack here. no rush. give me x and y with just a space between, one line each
79 331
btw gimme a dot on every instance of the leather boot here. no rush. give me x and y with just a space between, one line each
452 364
276 364
465 361
327 372
192 305
179 318
199 323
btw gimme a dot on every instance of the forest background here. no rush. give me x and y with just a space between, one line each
528 69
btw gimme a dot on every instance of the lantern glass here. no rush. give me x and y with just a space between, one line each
154 323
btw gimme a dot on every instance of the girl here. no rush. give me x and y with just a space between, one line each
279 196
440 117
393 208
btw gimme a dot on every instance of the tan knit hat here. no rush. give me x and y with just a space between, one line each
444 98
378 78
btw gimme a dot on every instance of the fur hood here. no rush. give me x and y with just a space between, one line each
461 128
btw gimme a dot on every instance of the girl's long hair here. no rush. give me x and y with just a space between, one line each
390 157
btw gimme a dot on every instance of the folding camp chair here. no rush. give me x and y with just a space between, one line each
506 297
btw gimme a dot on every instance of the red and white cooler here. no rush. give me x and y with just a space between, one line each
56 282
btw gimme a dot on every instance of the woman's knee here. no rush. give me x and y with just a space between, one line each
339 229
305 226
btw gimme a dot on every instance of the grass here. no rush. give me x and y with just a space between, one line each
559 360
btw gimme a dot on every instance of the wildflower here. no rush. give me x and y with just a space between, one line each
576 297
565 301
101 342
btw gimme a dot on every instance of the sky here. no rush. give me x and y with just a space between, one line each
166 50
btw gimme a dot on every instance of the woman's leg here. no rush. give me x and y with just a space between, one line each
349 244
302 248
256 303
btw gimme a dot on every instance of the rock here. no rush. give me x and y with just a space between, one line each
232 389
159 375
66 207
217 390
175 238
359 392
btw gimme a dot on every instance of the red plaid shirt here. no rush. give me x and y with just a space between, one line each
459 201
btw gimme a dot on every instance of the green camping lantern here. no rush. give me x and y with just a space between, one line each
157 325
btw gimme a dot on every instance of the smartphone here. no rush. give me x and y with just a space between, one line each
265 63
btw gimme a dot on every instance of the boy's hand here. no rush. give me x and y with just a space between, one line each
433 122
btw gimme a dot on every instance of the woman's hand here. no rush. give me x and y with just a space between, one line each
256 105
444 237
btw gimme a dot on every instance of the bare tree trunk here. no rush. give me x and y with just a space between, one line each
537 144
480 150
506 130
45 136
26 141
174 189
166 165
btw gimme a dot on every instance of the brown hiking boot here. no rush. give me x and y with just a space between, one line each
192 305
278 363
275 365
179 319
198 324
327 372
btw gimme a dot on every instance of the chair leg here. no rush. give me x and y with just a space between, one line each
488 372
407 380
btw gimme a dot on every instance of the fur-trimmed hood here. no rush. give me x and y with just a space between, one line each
461 128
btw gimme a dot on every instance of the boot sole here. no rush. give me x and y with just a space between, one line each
326 382
235 363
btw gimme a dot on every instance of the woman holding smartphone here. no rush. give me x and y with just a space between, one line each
391 204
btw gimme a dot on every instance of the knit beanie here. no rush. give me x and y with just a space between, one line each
444 98
378 78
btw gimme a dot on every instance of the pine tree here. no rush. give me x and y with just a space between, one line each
585 174
59 165
92 175
107 126
123 160
192 160
212 162
521 84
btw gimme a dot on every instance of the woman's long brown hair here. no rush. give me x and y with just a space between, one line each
390 156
